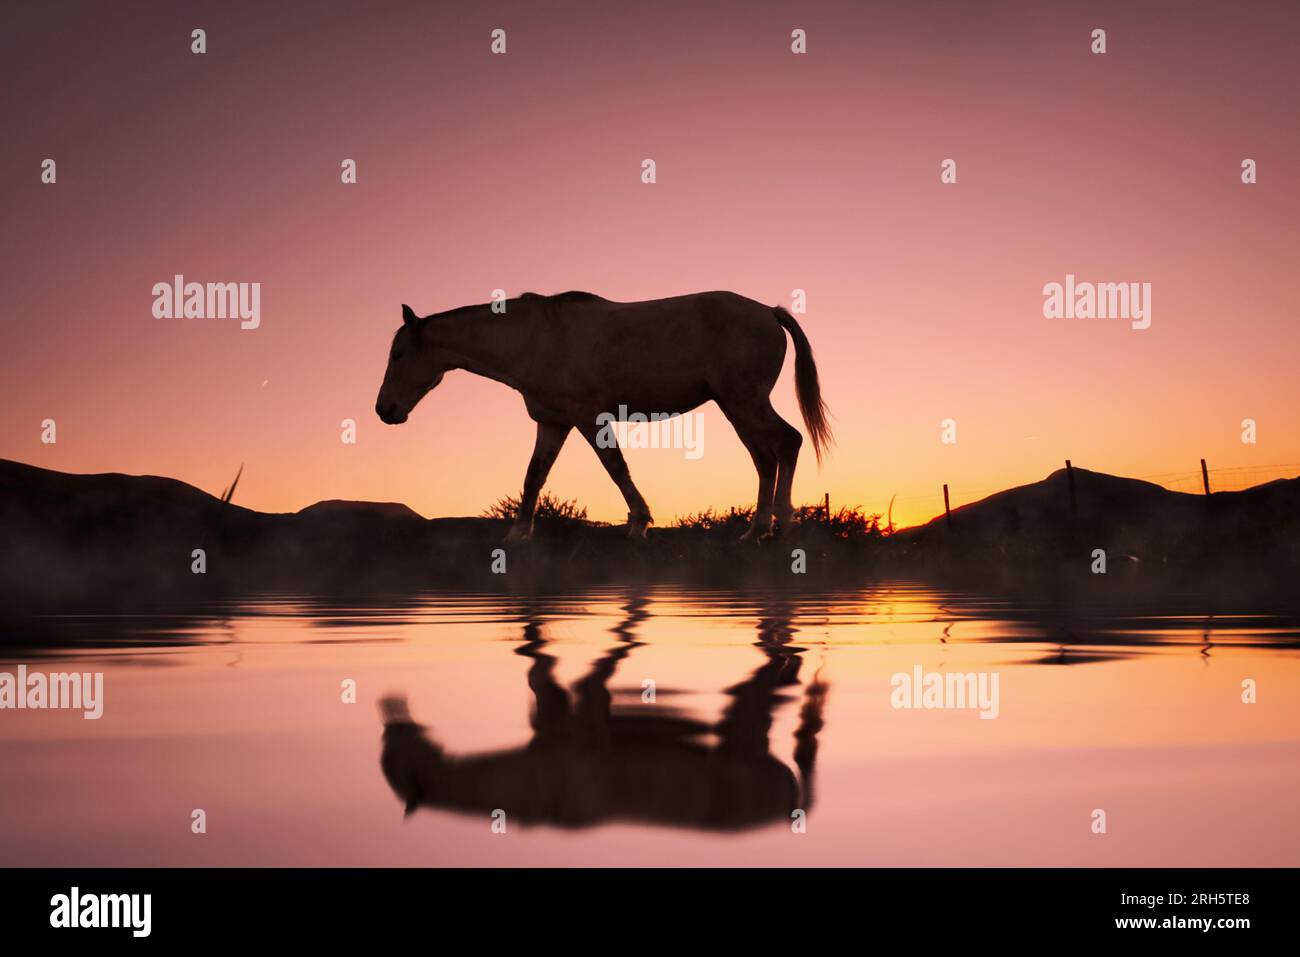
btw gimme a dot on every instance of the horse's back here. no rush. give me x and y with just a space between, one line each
656 355
717 302
703 322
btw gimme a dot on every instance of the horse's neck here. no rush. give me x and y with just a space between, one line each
483 342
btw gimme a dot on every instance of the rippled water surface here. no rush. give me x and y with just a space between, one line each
658 726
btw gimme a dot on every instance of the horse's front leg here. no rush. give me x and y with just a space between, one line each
638 513
550 439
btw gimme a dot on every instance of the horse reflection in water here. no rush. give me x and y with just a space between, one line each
592 762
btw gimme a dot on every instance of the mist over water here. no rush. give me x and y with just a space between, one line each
657 726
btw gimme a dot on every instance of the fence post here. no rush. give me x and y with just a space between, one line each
827 506
1069 475
1205 477
947 512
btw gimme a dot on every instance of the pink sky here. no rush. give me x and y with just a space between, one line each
775 172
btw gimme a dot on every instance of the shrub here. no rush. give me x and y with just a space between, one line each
549 508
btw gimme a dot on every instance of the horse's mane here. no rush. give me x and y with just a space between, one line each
573 295
550 303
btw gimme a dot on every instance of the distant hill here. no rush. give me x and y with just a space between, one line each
1112 505
133 537
338 506
1245 539
119 540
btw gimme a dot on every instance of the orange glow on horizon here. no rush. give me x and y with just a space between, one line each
775 172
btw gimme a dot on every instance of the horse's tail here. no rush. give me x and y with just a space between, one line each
806 386
805 736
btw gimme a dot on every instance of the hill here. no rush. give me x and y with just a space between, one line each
120 540
1247 539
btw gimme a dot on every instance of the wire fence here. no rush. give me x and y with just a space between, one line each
1223 480
1192 481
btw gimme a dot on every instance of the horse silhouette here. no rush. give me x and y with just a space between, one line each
589 762
578 359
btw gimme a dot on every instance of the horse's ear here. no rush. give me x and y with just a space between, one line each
408 315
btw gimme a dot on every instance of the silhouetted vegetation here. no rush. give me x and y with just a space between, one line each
228 494
851 524
549 509
848 524
710 521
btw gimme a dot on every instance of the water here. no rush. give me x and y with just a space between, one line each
763 706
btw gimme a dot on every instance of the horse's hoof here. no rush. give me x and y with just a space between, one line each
636 527
519 535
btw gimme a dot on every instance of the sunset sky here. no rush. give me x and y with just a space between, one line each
775 171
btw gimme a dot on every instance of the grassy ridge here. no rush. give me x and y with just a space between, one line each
127 540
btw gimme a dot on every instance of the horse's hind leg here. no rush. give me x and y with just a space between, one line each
755 429
773 444
765 462
788 443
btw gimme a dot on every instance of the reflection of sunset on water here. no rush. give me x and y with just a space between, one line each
1140 715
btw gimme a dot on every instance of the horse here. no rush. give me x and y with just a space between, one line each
576 356
592 760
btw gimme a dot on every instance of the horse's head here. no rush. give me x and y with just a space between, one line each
412 370
411 762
